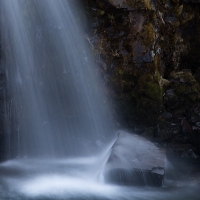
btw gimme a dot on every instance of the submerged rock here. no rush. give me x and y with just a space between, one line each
134 160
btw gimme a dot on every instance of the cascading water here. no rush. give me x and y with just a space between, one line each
55 105
56 110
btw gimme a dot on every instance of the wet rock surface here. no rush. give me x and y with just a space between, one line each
148 54
134 160
124 42
131 4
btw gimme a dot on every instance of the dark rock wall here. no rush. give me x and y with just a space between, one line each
125 46
148 54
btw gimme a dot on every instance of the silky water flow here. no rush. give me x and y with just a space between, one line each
55 105
58 124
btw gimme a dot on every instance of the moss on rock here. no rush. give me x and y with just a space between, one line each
148 34
142 54
149 87
140 4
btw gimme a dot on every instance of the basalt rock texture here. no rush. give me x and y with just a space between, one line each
148 54
124 41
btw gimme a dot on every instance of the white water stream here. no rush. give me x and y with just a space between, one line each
56 110
55 102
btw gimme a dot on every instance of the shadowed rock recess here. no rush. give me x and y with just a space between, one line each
148 54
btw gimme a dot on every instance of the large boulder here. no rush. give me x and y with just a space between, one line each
133 160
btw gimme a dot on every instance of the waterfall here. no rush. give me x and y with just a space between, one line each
59 132
55 102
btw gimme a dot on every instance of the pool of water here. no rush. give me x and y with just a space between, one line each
79 179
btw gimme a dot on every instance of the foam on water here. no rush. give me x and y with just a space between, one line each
82 178
63 179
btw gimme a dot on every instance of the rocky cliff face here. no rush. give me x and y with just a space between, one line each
148 53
